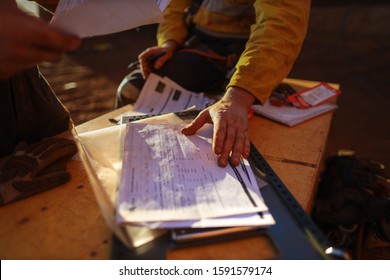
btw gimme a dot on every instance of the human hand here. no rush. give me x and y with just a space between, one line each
230 118
27 40
168 49
35 168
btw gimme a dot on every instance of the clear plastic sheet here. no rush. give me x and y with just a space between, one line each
101 154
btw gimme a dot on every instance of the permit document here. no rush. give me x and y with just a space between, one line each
169 180
161 95
86 18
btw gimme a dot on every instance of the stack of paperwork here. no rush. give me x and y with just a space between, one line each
170 180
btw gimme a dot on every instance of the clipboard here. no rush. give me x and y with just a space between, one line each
294 236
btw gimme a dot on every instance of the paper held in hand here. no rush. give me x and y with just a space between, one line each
86 18
170 180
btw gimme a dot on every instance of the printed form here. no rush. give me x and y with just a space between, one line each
161 95
172 180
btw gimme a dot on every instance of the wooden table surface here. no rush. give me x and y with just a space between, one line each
66 222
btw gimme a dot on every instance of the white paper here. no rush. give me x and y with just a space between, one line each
105 162
167 177
289 115
86 18
162 95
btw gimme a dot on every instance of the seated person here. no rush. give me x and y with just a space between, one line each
252 43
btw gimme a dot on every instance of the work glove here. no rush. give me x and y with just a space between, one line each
34 168
350 206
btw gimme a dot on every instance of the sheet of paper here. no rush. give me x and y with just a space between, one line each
167 176
162 95
262 219
87 18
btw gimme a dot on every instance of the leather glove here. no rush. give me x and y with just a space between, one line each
34 168
350 206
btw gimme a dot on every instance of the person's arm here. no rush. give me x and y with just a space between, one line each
170 34
146 67
173 28
230 118
272 48
26 40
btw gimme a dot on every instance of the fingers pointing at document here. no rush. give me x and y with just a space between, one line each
230 118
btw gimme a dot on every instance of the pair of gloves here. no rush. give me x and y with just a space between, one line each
34 168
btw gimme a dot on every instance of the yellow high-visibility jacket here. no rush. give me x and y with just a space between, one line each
275 29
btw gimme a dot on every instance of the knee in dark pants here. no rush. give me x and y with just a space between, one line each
194 72
129 89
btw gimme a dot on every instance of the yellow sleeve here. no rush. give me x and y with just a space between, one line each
173 26
274 44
